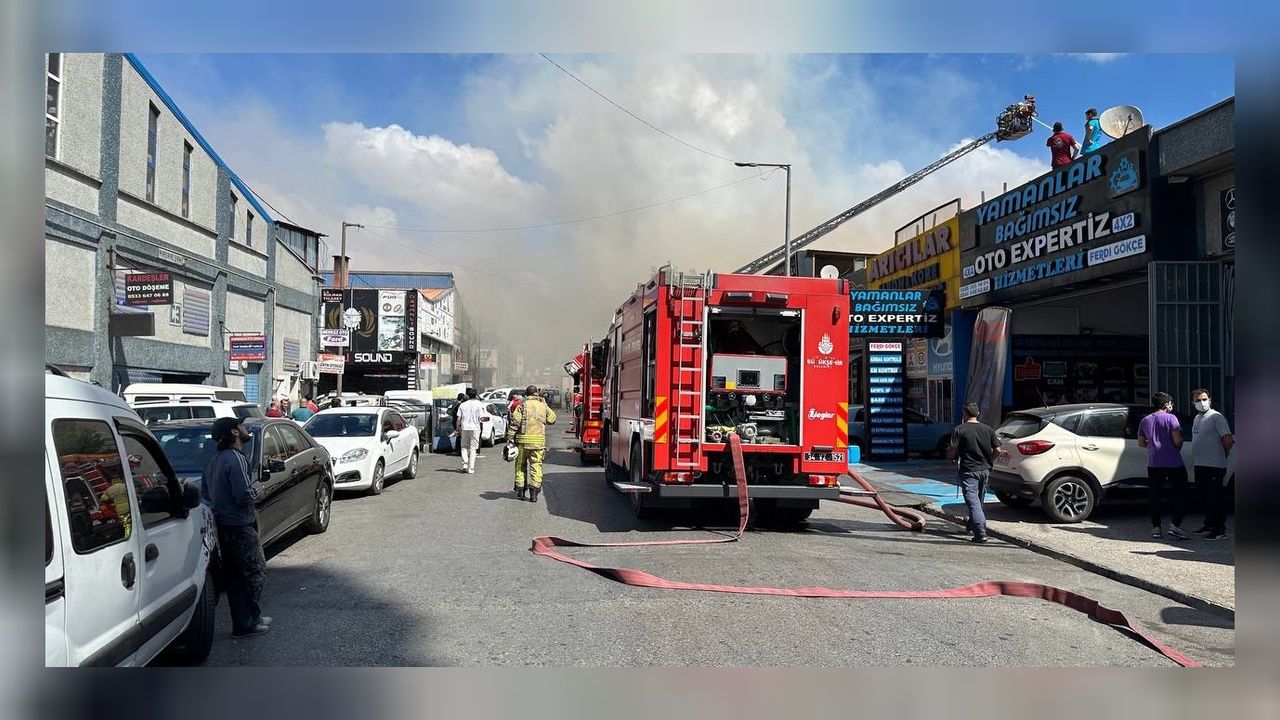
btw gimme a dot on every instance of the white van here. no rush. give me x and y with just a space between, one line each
151 392
130 553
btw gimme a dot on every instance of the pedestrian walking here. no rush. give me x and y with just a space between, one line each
273 410
528 428
1211 443
1161 434
471 416
1062 147
311 404
974 446
232 494
453 417
1093 137
302 413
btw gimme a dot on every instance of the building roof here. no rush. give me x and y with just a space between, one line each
434 293
191 128
295 226
396 280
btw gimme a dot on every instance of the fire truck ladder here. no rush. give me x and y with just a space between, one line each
688 295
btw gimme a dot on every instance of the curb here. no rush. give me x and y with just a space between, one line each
1198 603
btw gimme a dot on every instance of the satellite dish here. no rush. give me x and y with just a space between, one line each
830 272
1120 120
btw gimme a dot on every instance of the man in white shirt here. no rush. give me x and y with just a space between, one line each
1211 441
470 416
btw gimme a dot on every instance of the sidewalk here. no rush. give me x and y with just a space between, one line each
1115 542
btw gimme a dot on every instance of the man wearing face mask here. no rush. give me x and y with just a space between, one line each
1161 434
1211 441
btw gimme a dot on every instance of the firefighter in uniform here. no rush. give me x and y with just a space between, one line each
528 427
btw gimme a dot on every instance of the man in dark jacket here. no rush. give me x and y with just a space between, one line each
974 446
233 494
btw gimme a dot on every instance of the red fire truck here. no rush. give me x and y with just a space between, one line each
692 358
587 371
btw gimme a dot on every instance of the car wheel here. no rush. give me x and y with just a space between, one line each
1014 501
319 521
1068 499
378 479
639 507
412 471
194 644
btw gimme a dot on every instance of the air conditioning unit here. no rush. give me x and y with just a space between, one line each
310 370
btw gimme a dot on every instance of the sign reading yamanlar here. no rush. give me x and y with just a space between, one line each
897 313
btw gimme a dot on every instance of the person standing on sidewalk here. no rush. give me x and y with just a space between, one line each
1161 434
471 413
528 428
974 446
1211 442
232 494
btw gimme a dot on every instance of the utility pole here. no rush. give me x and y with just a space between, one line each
786 228
346 294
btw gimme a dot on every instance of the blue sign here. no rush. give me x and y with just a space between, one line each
886 426
897 313
1126 176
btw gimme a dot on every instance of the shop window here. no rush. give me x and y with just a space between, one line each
98 507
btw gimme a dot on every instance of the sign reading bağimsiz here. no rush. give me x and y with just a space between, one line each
897 313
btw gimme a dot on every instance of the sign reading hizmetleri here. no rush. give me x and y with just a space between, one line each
897 313
148 289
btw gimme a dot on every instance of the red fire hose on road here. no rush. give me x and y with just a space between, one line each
546 545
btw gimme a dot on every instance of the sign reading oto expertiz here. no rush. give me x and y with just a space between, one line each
896 313
148 289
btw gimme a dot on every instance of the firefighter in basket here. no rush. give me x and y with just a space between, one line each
528 427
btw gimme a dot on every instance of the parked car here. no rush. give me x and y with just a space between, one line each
924 434
415 412
332 400
296 472
1070 456
140 392
498 393
367 445
130 553
156 411
495 430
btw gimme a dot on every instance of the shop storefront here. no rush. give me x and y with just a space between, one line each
382 350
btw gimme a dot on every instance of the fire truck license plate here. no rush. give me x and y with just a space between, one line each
824 456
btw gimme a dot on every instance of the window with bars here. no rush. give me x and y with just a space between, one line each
52 104
186 179
248 228
153 127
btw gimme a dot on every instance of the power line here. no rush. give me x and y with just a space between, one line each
472 269
637 117
558 223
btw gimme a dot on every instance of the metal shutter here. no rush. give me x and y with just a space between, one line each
195 311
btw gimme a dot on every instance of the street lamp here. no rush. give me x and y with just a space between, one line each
787 227
346 274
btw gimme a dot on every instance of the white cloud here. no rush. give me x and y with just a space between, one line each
1100 58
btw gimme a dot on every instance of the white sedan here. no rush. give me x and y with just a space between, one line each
495 425
367 444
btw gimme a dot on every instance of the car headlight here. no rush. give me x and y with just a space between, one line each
353 455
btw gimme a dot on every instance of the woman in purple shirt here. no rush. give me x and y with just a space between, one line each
1161 434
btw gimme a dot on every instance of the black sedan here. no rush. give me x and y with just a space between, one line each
296 473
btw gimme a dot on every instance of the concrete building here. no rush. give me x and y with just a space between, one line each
132 188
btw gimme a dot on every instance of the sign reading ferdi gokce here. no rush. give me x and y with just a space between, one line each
896 313
1070 223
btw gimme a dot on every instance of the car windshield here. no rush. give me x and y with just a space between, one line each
1018 426
342 425
189 448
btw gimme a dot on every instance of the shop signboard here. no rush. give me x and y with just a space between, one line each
380 357
330 364
250 347
941 357
917 358
896 313
1080 222
1057 369
1227 213
886 426
335 338
928 260
330 295
148 288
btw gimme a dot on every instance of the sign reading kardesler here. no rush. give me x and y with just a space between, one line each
148 289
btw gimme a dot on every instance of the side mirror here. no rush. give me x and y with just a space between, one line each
390 435
276 466
190 496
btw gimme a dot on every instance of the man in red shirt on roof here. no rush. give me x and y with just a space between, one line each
1062 146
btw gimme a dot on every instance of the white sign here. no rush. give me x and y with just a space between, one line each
330 364
335 338
351 318
460 366
1120 249
820 415
886 346
391 303
977 288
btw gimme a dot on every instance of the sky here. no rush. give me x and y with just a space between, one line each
407 143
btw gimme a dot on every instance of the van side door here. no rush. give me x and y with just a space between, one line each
102 559
173 542
55 601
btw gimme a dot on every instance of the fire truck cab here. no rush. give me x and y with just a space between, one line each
690 359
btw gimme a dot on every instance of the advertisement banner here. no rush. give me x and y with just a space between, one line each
251 347
917 357
148 289
886 425
391 320
335 338
941 356
987 364
897 313
330 295
330 364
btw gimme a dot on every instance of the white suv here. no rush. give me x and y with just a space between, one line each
130 553
1070 456
154 411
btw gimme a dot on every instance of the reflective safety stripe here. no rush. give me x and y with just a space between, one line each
842 425
660 420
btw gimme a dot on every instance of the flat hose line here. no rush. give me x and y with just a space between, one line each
546 546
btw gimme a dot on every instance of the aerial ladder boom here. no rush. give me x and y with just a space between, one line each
1012 124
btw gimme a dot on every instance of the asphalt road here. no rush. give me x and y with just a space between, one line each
437 571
